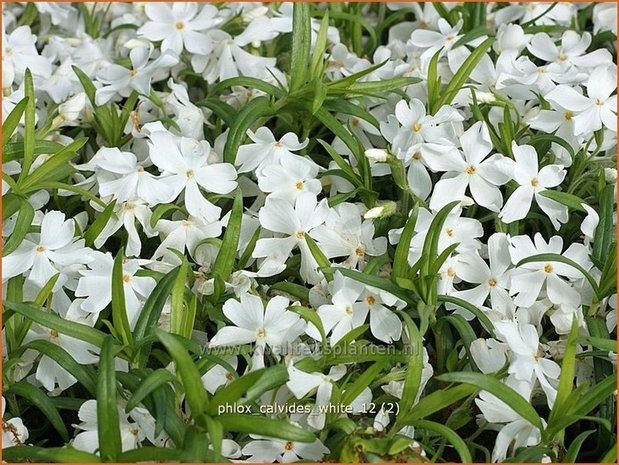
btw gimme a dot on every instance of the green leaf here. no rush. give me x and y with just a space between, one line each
256 108
179 308
342 164
379 87
89 87
224 263
189 375
605 231
54 168
400 258
572 452
15 150
23 223
312 317
437 401
301 45
253 424
553 257
348 108
503 392
317 65
153 381
149 316
247 81
119 309
40 400
29 126
97 226
534 141
414 367
363 381
150 454
450 435
52 321
108 423
160 210
463 73
566 378
65 454
479 314
569 200
323 262
82 373
12 121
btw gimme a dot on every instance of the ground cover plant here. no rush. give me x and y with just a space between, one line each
365 232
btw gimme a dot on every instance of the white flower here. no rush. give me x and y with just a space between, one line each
266 150
268 450
527 362
52 250
186 167
433 41
294 223
492 280
131 433
301 383
14 432
183 235
273 326
117 79
179 25
598 109
96 285
528 280
219 375
18 53
288 178
533 181
49 373
472 171
130 179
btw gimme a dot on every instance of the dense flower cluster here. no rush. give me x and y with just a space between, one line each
386 228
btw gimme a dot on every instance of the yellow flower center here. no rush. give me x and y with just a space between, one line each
180 25
534 182
348 310
492 282
417 156
261 333
40 248
416 127
140 169
300 234
298 185
132 72
229 376
360 251
450 232
562 57
451 273
278 144
568 115
371 300
126 278
599 102
470 170
189 174
289 445
53 334
548 268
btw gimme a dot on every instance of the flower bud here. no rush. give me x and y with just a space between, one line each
382 211
610 174
378 155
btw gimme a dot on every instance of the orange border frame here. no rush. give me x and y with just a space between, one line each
2 2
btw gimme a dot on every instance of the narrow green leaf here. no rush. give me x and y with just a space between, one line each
400 258
119 309
253 424
450 435
29 126
224 263
41 401
108 423
12 121
479 314
37 454
569 200
186 369
52 321
568 370
23 223
97 226
378 282
256 108
247 81
323 262
153 381
414 367
574 449
301 44
488 383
